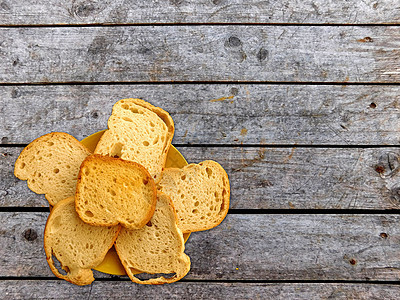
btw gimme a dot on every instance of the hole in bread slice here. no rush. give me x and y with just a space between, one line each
89 213
148 276
209 172
63 270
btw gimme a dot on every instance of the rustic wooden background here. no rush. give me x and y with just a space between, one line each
298 100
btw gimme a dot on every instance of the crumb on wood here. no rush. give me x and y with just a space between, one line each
222 98
367 39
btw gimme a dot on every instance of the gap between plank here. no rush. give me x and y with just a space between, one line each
222 82
257 146
284 146
253 211
195 24
125 278
329 211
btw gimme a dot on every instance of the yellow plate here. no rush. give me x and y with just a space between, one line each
111 263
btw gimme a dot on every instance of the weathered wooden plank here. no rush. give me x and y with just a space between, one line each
200 53
249 247
53 289
217 114
273 178
14 12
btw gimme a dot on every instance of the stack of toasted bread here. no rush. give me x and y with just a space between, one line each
122 195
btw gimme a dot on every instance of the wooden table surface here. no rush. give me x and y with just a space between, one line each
298 100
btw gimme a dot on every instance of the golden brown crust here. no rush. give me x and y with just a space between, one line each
124 163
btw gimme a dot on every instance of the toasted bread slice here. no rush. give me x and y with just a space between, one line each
156 248
200 193
138 132
78 247
113 191
50 164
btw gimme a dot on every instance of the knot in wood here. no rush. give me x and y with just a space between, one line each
94 114
30 235
5 6
388 164
15 93
395 193
262 54
84 9
234 42
234 91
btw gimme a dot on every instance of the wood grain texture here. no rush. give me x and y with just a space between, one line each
213 113
273 178
200 53
14 12
249 247
57 289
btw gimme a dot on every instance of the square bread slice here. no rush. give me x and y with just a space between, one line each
200 194
78 247
112 191
50 164
138 132
156 248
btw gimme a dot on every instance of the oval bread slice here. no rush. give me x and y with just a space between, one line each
200 194
50 164
156 248
112 191
138 132
78 247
